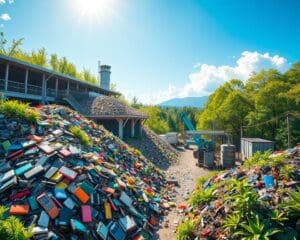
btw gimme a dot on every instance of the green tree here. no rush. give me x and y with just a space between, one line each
155 119
11 50
54 62
39 57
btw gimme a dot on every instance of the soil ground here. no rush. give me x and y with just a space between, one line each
186 173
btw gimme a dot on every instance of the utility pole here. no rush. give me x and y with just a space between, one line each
288 130
241 132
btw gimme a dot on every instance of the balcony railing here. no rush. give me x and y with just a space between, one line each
51 92
34 90
20 87
15 87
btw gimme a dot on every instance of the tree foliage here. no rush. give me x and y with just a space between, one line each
42 58
260 104
166 119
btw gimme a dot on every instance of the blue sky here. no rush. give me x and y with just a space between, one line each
159 49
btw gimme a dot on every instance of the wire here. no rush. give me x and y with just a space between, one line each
297 115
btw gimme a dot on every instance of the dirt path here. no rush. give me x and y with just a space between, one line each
186 173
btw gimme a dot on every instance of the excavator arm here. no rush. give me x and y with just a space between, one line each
197 137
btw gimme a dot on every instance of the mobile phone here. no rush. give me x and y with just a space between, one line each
68 173
47 203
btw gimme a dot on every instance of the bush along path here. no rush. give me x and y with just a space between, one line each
259 200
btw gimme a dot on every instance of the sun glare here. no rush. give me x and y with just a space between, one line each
95 10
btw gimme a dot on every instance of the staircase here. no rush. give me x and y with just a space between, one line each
73 103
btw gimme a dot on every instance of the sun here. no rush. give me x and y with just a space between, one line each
95 10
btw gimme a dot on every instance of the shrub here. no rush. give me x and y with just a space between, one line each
15 108
12 228
185 230
202 196
203 179
264 159
81 135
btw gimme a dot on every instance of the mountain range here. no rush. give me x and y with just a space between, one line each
197 102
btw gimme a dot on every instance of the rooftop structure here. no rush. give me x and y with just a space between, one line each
24 80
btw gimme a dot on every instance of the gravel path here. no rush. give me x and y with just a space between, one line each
186 173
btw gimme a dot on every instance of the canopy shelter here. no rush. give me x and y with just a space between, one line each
116 116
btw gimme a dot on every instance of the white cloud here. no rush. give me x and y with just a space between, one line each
11 1
5 17
2 2
209 77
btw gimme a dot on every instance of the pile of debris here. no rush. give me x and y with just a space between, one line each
259 200
158 151
71 191
109 106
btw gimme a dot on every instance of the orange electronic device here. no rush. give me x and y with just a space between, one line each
81 195
47 203
19 209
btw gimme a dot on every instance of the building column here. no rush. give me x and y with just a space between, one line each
56 87
77 87
120 121
68 88
141 127
132 127
6 77
26 80
44 89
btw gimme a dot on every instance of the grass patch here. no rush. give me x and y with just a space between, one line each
202 180
12 228
81 135
15 108
265 159
185 230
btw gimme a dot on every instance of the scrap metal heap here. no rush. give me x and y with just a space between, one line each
256 192
70 191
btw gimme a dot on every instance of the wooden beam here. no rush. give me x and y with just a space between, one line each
68 87
26 80
6 77
133 127
56 87
120 121
44 89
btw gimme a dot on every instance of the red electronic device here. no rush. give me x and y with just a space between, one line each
15 155
113 206
86 213
20 195
47 203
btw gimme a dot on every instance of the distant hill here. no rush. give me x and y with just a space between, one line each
197 102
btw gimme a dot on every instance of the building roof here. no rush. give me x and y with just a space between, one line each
256 140
53 73
104 107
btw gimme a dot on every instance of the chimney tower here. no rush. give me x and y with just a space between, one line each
104 72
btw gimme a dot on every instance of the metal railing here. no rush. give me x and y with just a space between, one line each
50 92
34 90
73 95
15 87
73 102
